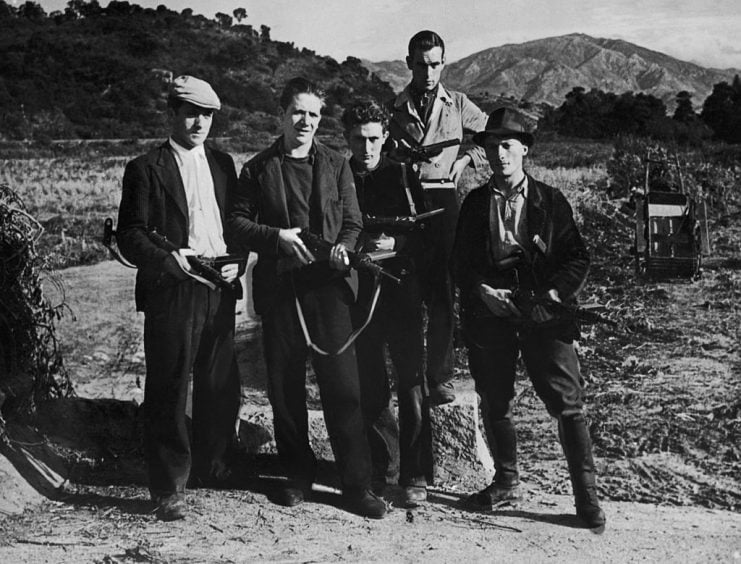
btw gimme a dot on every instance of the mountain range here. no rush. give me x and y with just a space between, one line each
545 70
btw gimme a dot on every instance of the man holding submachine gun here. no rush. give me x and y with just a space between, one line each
427 125
517 250
391 200
171 227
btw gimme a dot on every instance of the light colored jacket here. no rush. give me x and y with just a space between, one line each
452 115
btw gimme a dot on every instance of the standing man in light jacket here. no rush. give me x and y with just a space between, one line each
299 183
426 113
180 191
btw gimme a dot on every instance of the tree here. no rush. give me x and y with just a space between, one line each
240 14
722 111
31 11
225 20
684 113
6 11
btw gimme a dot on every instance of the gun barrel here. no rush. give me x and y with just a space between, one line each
439 145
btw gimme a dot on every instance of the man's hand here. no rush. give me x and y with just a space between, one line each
229 272
458 167
498 300
338 258
381 243
540 313
292 245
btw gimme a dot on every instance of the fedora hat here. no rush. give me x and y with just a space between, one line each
506 122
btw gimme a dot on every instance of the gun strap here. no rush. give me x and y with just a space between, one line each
354 335
410 199
109 235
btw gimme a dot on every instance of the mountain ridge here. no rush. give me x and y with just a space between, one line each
545 70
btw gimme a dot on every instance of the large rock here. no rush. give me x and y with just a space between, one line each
460 451
458 446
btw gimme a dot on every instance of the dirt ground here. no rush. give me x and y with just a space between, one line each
664 397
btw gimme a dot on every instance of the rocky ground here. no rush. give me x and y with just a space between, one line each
664 397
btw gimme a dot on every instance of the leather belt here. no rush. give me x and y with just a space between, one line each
438 184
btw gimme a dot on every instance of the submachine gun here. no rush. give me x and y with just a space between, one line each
526 300
205 271
415 153
397 223
359 261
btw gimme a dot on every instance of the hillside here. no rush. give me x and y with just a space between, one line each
93 72
545 70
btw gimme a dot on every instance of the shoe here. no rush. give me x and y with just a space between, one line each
171 507
492 495
378 487
414 496
442 393
292 495
366 504
588 509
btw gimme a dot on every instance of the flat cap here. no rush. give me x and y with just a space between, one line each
196 91
506 122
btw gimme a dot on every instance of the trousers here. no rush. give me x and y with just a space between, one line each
552 365
188 328
397 322
438 286
326 309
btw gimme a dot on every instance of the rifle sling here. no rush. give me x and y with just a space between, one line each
354 335
410 199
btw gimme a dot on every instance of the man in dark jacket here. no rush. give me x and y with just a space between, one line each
179 190
517 250
388 189
296 184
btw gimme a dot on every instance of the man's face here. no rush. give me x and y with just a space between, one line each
366 142
301 120
426 67
190 124
505 154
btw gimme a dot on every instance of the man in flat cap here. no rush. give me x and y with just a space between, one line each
424 113
179 191
518 256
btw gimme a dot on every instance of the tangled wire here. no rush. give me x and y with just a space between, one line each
31 367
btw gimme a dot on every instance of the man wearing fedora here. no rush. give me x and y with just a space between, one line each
179 190
516 237
424 113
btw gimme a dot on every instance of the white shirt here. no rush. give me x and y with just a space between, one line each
205 230
507 220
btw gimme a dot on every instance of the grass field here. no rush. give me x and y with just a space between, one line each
71 196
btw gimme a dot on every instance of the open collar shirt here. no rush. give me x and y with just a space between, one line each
205 228
507 220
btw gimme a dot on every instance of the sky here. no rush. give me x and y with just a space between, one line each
707 32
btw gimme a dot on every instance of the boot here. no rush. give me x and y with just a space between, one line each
503 444
577 447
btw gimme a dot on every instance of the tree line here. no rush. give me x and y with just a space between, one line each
595 114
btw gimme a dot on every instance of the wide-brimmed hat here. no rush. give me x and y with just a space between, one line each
506 122
196 91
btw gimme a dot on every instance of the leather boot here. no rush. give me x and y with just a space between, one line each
503 444
577 447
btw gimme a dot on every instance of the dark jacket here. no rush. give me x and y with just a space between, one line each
382 192
563 264
259 211
154 198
